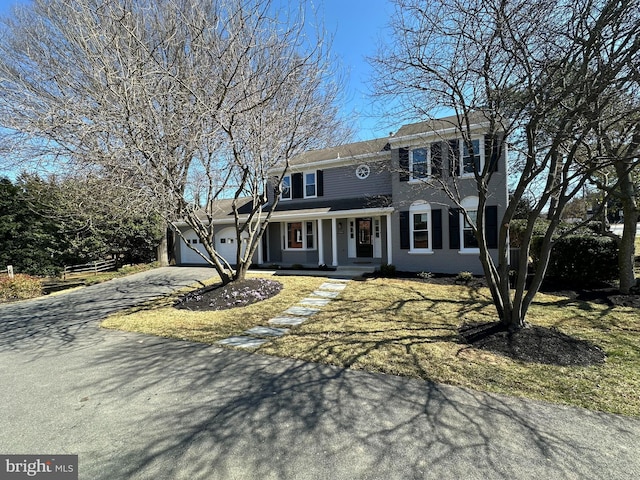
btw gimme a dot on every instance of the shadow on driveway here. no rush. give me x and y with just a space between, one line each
69 319
138 407
203 412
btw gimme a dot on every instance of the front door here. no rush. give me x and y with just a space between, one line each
364 244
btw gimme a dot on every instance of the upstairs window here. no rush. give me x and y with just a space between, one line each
419 163
310 185
471 159
285 188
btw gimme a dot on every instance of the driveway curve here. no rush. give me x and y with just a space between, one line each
141 407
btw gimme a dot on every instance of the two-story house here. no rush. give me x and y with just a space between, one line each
379 202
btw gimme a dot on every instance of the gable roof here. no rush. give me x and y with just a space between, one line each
439 125
353 151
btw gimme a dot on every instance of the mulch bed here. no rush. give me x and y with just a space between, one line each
235 294
533 344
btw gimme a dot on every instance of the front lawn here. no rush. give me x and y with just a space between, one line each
410 328
162 319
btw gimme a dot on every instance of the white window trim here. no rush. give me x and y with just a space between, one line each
285 236
420 179
469 204
285 199
462 145
315 183
416 208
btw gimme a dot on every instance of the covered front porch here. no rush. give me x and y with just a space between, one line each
319 237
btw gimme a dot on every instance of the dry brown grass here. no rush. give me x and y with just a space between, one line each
160 318
409 328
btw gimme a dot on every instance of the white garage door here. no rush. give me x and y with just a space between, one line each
226 244
187 255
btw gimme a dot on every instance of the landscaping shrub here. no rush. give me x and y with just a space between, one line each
387 271
464 277
581 260
517 228
20 287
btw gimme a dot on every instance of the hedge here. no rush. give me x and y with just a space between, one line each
580 260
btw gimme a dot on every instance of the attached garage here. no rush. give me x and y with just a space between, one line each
225 243
187 255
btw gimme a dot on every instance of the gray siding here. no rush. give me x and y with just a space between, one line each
443 260
341 182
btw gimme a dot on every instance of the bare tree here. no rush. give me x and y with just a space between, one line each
190 100
619 145
540 74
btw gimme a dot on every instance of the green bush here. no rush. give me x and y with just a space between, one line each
387 271
580 260
20 287
517 228
464 277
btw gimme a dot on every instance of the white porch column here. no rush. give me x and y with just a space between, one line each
389 241
334 243
320 243
260 260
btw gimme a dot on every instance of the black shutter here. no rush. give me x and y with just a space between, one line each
492 151
297 186
454 229
404 164
404 230
436 159
320 181
454 157
436 235
491 224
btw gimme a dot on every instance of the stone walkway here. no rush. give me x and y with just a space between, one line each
291 317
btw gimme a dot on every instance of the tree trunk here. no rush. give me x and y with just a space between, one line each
171 246
162 251
241 271
626 253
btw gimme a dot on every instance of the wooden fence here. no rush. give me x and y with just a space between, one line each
8 271
91 267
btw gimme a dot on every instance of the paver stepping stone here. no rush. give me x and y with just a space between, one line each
326 293
317 302
304 311
333 286
242 341
266 331
291 321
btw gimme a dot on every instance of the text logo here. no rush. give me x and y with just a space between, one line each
49 467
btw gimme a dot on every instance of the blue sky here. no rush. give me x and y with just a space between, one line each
356 26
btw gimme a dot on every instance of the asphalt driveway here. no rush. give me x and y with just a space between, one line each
134 406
